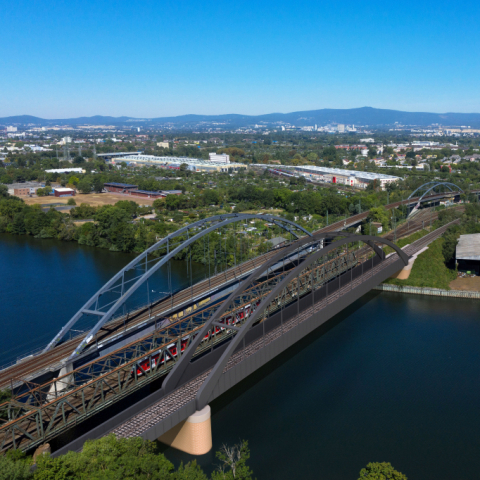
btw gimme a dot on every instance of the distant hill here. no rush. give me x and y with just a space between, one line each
374 117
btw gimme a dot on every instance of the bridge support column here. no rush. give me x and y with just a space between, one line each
404 273
193 436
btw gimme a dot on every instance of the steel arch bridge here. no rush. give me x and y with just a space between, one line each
426 188
151 260
45 411
260 311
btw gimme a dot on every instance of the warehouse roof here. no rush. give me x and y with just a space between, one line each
177 161
351 173
147 192
123 185
468 247
334 171
277 241
64 190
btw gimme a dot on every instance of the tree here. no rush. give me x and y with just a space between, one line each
159 204
379 214
42 192
380 471
450 240
84 186
234 463
4 191
71 201
129 206
78 160
97 185
107 458
73 180
15 466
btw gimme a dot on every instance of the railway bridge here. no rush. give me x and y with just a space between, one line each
189 346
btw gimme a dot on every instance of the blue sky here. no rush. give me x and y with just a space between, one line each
154 58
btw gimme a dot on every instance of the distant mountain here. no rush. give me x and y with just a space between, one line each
374 117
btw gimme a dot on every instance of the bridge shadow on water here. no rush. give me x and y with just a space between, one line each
209 461
393 377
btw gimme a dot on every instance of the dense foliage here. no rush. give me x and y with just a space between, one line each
380 471
126 459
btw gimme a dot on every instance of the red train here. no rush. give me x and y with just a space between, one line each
144 365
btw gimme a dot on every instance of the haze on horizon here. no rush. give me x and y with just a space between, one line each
83 58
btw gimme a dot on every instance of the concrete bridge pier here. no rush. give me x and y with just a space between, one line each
193 436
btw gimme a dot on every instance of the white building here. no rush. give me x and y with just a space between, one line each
193 164
353 178
163 145
65 170
367 140
340 128
345 177
219 158
11 129
65 140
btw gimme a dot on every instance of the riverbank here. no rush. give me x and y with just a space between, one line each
438 292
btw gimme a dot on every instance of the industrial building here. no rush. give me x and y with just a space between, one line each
467 253
220 158
353 178
133 190
66 170
346 177
193 164
63 192
24 189
146 194
115 187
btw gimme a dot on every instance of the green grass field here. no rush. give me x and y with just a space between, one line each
429 269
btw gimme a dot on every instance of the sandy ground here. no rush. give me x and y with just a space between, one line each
471 284
94 199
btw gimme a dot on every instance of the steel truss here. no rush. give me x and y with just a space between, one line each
46 410
260 310
150 261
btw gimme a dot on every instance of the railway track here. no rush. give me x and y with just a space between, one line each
36 414
171 403
51 361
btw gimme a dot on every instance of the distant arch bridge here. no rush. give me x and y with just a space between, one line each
429 187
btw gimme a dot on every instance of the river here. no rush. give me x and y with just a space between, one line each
392 378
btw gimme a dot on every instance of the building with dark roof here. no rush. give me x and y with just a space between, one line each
146 194
467 253
115 187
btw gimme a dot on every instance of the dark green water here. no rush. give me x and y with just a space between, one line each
393 378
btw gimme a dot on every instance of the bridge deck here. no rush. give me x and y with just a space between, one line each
51 361
146 421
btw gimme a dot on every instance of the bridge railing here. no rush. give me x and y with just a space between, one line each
45 411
